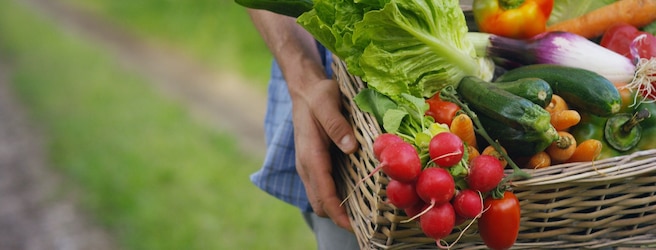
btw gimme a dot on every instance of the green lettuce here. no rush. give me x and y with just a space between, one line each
414 47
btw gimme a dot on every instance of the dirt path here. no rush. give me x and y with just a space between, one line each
37 210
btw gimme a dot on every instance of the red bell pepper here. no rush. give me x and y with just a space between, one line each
512 18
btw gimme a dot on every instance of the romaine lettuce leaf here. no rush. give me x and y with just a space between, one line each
398 46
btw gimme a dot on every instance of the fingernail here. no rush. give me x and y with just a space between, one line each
347 144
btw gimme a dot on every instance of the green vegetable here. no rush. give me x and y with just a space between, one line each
584 89
517 142
623 131
293 8
648 139
567 9
398 46
592 127
512 110
521 126
450 94
535 90
610 130
375 103
649 122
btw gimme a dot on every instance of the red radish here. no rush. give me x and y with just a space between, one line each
459 219
446 149
402 194
468 203
485 173
384 140
416 209
435 185
400 161
439 221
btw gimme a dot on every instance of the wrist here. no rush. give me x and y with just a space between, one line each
304 77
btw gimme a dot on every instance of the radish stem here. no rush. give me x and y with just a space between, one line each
449 94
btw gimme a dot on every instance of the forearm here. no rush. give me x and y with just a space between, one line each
316 110
293 48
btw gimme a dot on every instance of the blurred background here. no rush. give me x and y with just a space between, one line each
144 117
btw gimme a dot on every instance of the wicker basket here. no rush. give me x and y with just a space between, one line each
597 204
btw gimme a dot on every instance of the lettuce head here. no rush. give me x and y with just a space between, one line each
415 47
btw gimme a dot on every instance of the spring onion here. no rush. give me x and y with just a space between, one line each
560 48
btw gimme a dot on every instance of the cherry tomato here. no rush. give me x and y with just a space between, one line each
442 111
499 224
619 37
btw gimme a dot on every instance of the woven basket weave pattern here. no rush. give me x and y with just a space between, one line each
610 202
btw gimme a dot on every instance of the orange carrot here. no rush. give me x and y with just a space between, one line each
473 152
557 104
490 150
539 160
563 148
463 127
565 119
587 150
594 23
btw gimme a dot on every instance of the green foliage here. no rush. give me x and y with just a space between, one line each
147 170
218 32
423 49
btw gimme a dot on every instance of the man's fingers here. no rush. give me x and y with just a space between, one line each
326 193
334 123
339 131
317 125
320 186
337 213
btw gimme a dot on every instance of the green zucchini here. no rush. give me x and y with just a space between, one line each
581 88
514 111
292 8
534 89
517 142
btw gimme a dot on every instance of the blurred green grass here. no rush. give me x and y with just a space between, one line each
217 32
148 171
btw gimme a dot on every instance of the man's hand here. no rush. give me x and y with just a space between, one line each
317 117
318 122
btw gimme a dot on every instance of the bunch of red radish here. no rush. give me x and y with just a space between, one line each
429 193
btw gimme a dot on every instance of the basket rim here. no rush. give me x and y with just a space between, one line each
618 167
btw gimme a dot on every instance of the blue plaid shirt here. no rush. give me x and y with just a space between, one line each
278 175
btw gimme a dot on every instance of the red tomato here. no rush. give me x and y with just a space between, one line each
442 111
499 224
619 37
